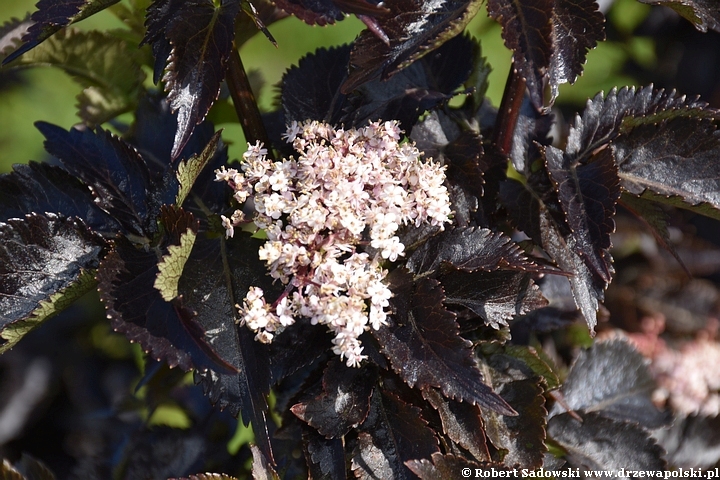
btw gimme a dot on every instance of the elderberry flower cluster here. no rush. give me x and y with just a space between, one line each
347 189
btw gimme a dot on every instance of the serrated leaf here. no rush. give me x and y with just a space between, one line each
261 469
612 378
393 433
324 12
422 86
207 476
218 275
167 330
604 118
587 193
344 403
106 66
171 266
447 466
52 15
703 14
577 26
11 33
117 174
46 263
40 188
192 40
414 28
189 170
522 437
312 89
472 249
674 159
326 457
601 443
531 358
496 297
527 30
461 422
424 347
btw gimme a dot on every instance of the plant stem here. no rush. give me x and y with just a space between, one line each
245 103
509 112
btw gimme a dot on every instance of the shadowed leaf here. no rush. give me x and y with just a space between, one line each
393 433
692 441
522 438
588 193
601 443
527 29
703 14
414 28
447 466
577 26
612 378
326 457
192 40
40 188
189 170
117 174
344 403
461 422
410 92
424 347
51 16
261 469
46 263
207 476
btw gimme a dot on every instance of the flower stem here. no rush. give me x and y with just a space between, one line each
245 103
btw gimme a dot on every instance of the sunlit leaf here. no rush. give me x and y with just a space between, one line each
414 28
46 263
323 12
52 15
326 457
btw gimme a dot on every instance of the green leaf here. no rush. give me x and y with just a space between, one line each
189 170
171 266
531 358
107 67
53 15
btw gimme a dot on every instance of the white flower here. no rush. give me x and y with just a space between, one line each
346 188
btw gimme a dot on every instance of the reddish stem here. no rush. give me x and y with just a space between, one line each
509 112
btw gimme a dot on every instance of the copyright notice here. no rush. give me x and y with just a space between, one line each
577 473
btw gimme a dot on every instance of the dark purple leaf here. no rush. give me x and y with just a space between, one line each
46 262
194 38
522 436
496 297
612 378
622 110
588 193
677 158
421 86
53 15
447 466
298 346
424 347
532 130
344 402
414 28
40 188
601 443
165 452
703 14
461 422
164 327
471 249
11 33
311 91
527 29
326 457
692 441
117 174
393 433
577 26
323 12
